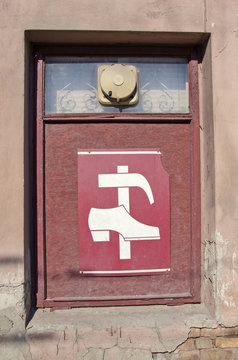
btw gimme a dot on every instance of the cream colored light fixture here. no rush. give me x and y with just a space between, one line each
117 85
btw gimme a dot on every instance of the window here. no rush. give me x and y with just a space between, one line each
78 140
71 85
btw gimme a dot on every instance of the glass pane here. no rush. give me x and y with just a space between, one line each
71 85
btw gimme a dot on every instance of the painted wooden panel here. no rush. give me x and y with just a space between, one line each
62 261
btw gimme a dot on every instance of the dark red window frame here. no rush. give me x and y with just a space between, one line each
190 122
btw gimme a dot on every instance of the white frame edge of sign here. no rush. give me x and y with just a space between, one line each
117 152
124 271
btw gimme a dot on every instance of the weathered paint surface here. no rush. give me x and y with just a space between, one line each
219 178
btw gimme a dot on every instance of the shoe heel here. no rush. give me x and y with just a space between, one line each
100 235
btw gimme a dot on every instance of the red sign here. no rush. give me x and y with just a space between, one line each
124 213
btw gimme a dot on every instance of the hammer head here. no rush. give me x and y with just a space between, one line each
126 180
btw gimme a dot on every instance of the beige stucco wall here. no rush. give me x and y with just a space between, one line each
223 24
218 93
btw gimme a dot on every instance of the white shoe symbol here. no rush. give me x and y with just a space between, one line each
102 221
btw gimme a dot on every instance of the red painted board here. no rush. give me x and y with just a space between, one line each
62 141
123 213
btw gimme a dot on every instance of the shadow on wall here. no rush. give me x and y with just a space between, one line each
21 337
5 260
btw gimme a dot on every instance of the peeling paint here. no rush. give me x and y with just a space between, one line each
221 246
227 276
227 300
221 252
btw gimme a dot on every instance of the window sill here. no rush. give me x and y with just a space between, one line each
168 326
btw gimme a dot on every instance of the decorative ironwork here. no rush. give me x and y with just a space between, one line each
161 98
166 101
90 101
163 89
67 102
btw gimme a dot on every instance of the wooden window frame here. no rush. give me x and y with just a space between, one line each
192 118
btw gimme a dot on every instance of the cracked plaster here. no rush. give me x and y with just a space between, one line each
153 329
69 327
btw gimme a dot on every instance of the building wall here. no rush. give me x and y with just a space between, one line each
23 22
